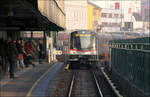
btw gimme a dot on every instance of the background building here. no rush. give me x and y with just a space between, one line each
93 17
82 15
145 14
128 8
111 20
76 14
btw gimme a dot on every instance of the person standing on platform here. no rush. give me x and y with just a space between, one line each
40 50
12 57
6 57
28 56
3 55
1 65
19 46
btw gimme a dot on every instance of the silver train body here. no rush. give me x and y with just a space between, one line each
83 47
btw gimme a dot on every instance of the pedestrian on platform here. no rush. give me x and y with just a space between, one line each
12 57
0 57
40 50
3 55
28 55
20 59
6 57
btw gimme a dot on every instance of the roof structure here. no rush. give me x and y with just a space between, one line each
23 15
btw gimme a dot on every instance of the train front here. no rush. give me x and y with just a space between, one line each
83 47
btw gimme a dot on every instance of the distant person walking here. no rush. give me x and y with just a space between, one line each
12 57
40 50
20 62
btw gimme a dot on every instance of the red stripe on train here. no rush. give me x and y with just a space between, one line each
82 50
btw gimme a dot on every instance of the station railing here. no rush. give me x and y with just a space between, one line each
131 59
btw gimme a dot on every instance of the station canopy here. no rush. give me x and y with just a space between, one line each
24 15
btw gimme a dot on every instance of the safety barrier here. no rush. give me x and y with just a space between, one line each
131 59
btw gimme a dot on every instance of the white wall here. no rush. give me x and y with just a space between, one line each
76 14
137 25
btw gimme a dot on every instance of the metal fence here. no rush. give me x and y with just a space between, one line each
131 59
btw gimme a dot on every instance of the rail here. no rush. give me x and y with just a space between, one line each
112 85
99 94
97 84
71 86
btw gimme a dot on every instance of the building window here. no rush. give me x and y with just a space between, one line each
115 24
111 6
104 15
110 15
116 15
121 16
104 23
110 24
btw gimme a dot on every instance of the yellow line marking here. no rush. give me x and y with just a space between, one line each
67 67
34 85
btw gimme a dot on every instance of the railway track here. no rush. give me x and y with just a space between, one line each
88 83
84 84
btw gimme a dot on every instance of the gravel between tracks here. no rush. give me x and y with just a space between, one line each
58 87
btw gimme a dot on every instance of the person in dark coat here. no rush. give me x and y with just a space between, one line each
40 48
12 57
2 54
6 58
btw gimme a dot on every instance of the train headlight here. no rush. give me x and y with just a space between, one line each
74 52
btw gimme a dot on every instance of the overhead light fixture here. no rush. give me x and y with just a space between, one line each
10 13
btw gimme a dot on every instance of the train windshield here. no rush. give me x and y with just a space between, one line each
82 41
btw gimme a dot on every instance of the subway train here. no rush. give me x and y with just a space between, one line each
87 47
83 48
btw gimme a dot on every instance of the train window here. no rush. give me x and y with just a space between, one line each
82 41
82 35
